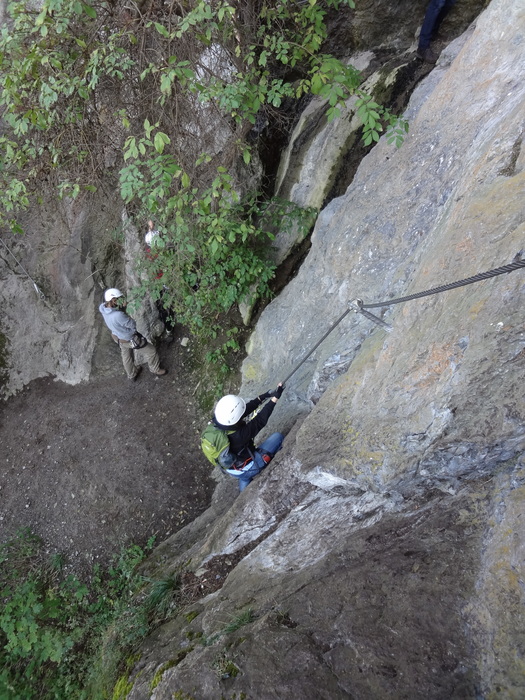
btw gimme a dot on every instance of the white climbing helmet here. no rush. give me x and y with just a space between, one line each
112 293
230 409
150 237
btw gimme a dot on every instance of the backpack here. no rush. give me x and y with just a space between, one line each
216 446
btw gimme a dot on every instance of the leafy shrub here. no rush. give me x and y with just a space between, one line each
55 630
87 83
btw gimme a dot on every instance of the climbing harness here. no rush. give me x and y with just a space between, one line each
359 307
37 288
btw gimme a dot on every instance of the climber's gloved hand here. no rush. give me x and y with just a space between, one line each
266 395
278 392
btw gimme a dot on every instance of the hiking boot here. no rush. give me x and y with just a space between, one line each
138 371
161 372
427 55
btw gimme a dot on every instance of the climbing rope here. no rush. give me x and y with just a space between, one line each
359 307
37 288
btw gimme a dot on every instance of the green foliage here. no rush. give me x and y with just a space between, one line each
222 361
212 252
225 667
213 249
57 633
52 66
163 595
190 616
244 618
69 71
373 116
87 83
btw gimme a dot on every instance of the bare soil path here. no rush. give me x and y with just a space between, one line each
97 466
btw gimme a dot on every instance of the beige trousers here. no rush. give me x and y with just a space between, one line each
148 352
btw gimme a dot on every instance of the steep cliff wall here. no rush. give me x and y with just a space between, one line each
72 252
381 553
73 249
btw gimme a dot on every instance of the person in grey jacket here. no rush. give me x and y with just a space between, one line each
122 328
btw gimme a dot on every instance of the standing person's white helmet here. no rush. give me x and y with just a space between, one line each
112 293
150 237
230 409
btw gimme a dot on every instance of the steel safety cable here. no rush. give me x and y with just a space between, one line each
317 344
35 285
515 265
359 307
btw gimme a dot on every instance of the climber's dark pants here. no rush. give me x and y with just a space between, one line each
436 11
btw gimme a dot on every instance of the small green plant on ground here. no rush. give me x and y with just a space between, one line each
224 667
244 618
163 596
60 637
122 688
190 616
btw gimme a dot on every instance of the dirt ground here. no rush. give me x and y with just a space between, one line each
97 466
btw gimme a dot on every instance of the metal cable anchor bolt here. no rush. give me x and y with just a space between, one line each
357 307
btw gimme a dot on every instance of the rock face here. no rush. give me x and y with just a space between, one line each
52 329
75 249
320 156
72 255
381 554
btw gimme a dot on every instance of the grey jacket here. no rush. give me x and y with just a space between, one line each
118 322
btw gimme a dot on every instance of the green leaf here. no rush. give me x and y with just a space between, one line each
132 150
160 141
162 30
90 11
316 84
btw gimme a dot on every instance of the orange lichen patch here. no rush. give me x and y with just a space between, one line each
477 307
492 203
435 365
465 246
